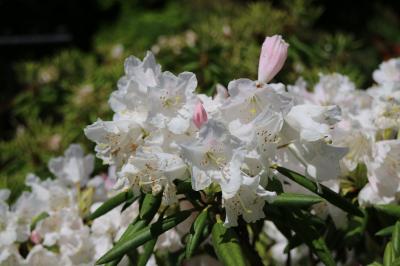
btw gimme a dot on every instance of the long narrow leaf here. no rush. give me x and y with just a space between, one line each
321 190
196 232
388 255
390 209
114 262
111 204
134 227
147 251
149 206
396 240
144 235
387 231
295 200
226 245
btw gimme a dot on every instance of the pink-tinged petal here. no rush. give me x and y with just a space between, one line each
199 115
273 56
35 237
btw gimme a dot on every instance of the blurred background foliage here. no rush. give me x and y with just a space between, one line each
60 60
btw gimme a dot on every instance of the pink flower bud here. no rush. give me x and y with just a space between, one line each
272 58
108 182
200 115
35 237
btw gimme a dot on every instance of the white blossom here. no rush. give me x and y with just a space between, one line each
74 167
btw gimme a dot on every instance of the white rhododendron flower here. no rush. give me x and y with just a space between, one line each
130 100
215 157
321 161
313 122
384 169
248 201
116 140
74 167
388 72
334 89
154 171
172 101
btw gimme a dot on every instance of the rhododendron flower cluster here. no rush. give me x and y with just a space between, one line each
47 225
163 130
189 171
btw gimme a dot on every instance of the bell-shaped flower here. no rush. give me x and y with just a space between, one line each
313 122
116 140
249 202
388 72
334 89
153 170
384 169
74 167
172 101
39 255
249 98
130 100
216 156
321 160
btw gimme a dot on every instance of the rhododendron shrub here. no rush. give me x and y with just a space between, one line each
256 174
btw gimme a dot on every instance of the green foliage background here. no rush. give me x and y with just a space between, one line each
217 40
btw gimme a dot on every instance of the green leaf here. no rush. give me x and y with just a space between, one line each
319 247
183 186
111 204
196 232
274 185
396 240
149 206
148 250
390 209
150 232
128 203
396 262
114 262
311 237
356 228
385 231
295 200
134 227
38 218
226 245
321 190
388 256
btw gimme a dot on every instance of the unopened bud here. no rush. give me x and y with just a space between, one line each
200 115
273 56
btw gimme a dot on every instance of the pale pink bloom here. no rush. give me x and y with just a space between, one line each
272 57
35 237
199 115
